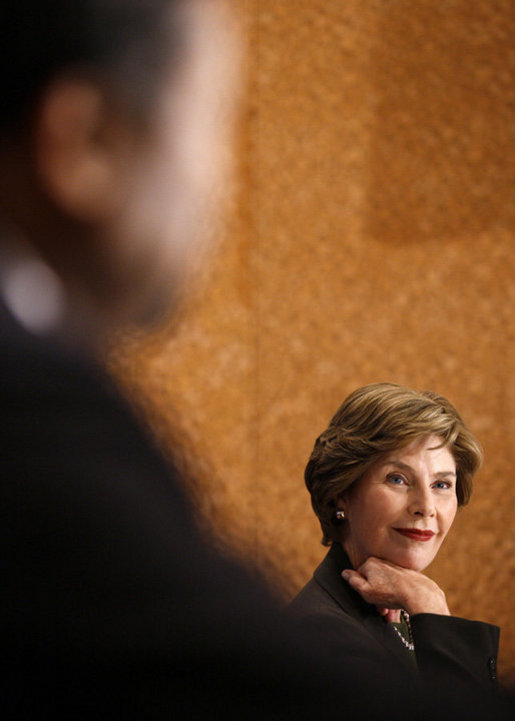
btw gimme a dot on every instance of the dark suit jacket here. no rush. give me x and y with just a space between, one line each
454 650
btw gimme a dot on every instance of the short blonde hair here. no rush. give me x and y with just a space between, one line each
374 420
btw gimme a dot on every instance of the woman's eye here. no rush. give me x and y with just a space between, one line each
442 485
396 480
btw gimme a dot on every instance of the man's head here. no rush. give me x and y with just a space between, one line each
108 133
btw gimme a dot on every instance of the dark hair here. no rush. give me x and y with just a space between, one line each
375 420
123 41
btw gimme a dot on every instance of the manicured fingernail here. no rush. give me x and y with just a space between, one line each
346 575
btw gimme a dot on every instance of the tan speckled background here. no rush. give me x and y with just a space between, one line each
369 237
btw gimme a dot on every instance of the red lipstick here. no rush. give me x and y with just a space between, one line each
415 534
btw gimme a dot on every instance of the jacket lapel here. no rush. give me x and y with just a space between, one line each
328 575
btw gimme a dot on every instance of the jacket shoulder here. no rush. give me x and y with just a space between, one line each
315 607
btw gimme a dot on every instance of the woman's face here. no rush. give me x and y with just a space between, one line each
403 507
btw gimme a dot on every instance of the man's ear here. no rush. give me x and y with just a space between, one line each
83 149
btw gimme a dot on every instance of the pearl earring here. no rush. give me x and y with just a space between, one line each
340 515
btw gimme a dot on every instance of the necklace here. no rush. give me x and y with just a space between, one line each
409 641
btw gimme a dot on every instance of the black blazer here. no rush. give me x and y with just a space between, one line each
459 651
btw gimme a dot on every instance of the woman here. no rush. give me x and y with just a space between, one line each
386 478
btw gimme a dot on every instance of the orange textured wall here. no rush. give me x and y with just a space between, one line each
370 237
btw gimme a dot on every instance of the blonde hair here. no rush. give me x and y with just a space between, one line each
375 420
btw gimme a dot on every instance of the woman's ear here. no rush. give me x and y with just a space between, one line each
340 503
83 148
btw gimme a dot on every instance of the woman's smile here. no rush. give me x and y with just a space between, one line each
415 534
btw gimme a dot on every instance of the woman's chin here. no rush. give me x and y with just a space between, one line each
412 561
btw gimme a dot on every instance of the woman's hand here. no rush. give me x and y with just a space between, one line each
388 586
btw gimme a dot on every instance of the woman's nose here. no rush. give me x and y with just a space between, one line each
422 503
